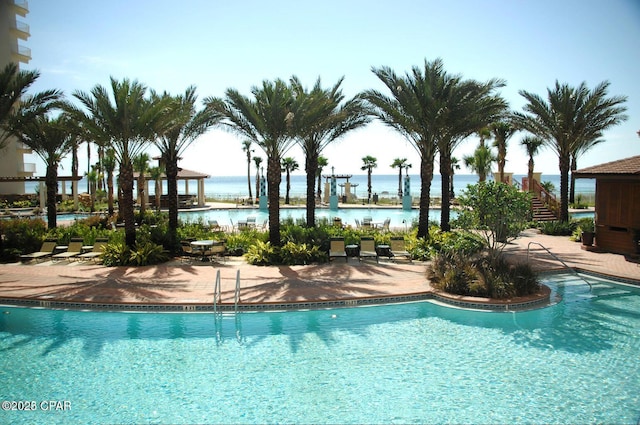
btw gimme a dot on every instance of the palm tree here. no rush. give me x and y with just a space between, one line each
414 109
257 160
92 184
246 146
288 165
480 162
156 174
14 103
569 118
532 145
455 165
322 162
266 120
471 106
320 118
502 132
51 139
141 166
109 164
187 124
399 163
128 121
369 163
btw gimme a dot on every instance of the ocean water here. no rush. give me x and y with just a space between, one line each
385 185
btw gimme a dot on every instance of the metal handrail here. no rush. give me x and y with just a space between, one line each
558 259
237 293
216 292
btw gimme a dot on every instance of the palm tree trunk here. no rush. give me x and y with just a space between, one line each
257 183
572 187
171 169
564 187
274 177
426 176
287 200
110 192
51 183
400 182
311 167
369 185
249 177
530 174
141 184
126 206
445 174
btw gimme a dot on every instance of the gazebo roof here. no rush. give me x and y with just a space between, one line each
183 174
628 167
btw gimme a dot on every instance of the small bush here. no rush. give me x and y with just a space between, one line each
116 254
261 254
557 228
147 253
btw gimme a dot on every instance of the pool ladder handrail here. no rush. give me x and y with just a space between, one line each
217 292
558 259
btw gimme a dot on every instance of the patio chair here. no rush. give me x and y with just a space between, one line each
337 250
368 248
218 249
96 252
398 248
385 225
367 222
46 250
214 226
251 222
187 252
73 250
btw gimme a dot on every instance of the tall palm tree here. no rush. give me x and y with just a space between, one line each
92 185
322 162
321 116
128 120
471 106
532 145
257 160
141 166
480 162
369 163
455 165
288 165
14 102
567 119
502 132
267 120
414 109
156 174
51 139
399 163
109 163
186 125
246 146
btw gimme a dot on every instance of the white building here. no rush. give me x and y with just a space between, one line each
12 31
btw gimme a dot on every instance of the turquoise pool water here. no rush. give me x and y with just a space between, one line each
573 362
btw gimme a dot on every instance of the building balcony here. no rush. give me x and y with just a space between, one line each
21 7
21 30
22 54
27 169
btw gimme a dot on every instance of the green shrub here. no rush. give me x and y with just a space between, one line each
557 228
21 236
261 254
116 254
147 253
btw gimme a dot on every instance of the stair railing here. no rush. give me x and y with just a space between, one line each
548 199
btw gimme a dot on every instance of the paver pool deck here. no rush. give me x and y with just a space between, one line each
184 284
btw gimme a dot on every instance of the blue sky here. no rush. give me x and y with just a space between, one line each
215 45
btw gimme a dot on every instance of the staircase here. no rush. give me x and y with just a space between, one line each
540 211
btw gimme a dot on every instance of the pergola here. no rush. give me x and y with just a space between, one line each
183 176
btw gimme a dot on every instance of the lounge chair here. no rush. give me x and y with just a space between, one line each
74 249
398 249
96 251
337 250
46 250
368 248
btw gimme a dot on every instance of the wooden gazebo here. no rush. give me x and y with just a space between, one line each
617 204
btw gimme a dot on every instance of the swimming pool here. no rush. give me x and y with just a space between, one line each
573 362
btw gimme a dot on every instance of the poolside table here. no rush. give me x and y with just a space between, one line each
352 250
202 246
384 250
